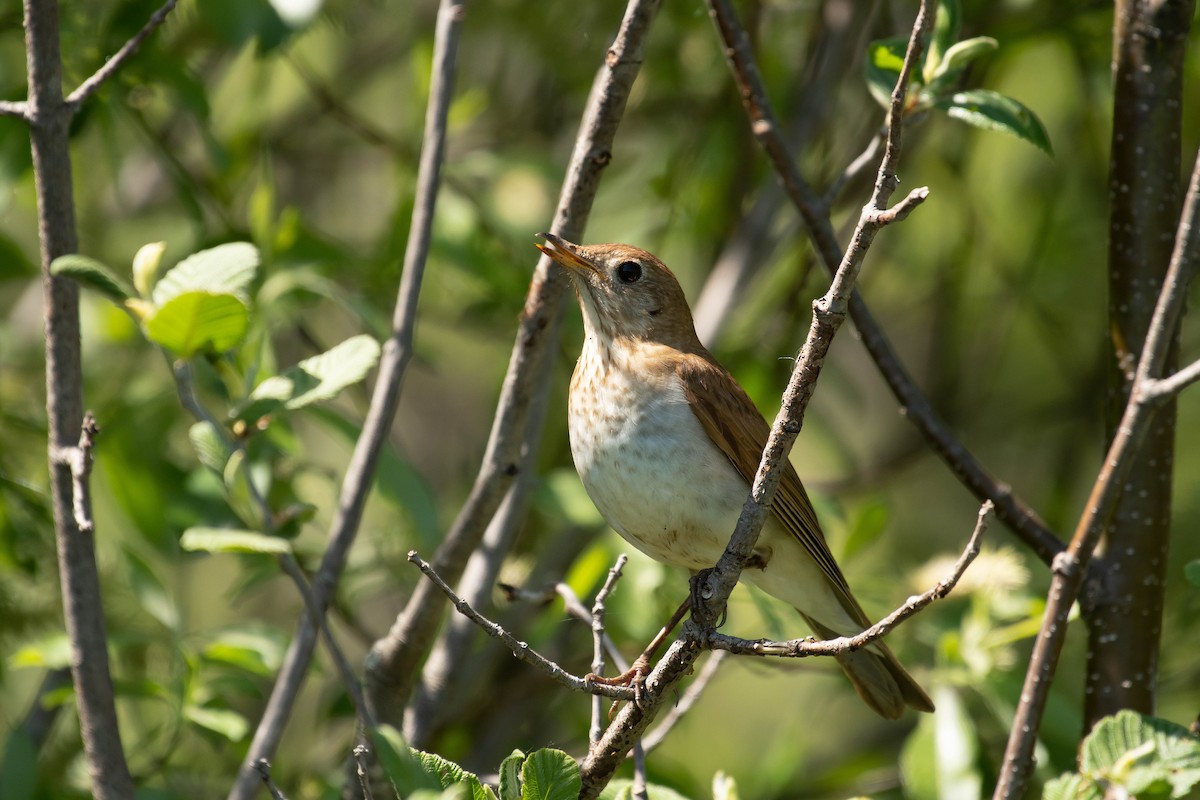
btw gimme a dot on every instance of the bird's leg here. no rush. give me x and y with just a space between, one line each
635 676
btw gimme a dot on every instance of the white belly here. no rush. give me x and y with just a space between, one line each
653 473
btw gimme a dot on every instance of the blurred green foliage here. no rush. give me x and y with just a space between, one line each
296 127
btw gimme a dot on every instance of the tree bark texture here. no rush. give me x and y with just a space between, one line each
1123 607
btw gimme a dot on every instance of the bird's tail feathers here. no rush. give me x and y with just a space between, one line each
878 677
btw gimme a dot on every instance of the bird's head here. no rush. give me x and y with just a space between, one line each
625 292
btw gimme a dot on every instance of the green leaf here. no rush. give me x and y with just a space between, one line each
92 274
1142 754
210 446
229 724
52 651
224 269
257 650
881 68
990 110
959 56
228 540
946 25
1191 571
510 776
151 592
400 762
1071 787
550 775
314 379
194 321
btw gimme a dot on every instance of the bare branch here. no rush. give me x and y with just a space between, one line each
79 579
799 648
1158 389
392 665
89 86
521 650
360 767
916 407
397 352
714 586
1070 566
598 640
79 458
263 768
17 108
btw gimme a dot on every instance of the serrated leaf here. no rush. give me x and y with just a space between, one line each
92 274
211 448
321 377
400 762
961 54
510 776
230 724
549 774
990 110
224 269
1071 787
196 321
881 67
228 540
946 24
1139 752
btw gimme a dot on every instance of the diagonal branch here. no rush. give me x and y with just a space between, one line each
713 589
815 211
397 352
97 79
392 665
1070 566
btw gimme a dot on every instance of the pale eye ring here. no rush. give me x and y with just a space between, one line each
629 271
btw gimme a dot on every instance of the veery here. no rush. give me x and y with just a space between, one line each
667 443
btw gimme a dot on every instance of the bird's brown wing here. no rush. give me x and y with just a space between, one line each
737 427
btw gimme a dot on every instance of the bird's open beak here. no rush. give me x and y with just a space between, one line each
566 254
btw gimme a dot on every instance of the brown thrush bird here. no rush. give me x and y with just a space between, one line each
667 443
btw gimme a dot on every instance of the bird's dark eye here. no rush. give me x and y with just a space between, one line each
629 271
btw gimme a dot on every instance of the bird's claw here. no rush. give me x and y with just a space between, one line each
634 678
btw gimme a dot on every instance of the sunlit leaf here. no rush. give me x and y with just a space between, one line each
881 67
229 724
962 54
549 774
946 25
198 321
51 652
225 269
227 540
92 274
210 446
321 377
510 776
990 110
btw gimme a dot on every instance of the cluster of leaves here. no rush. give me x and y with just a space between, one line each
938 83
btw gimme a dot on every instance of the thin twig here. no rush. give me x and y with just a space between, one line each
14 108
520 649
79 458
800 648
598 639
263 768
397 352
1158 389
360 766
580 612
1070 566
714 587
913 403
394 660
89 86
